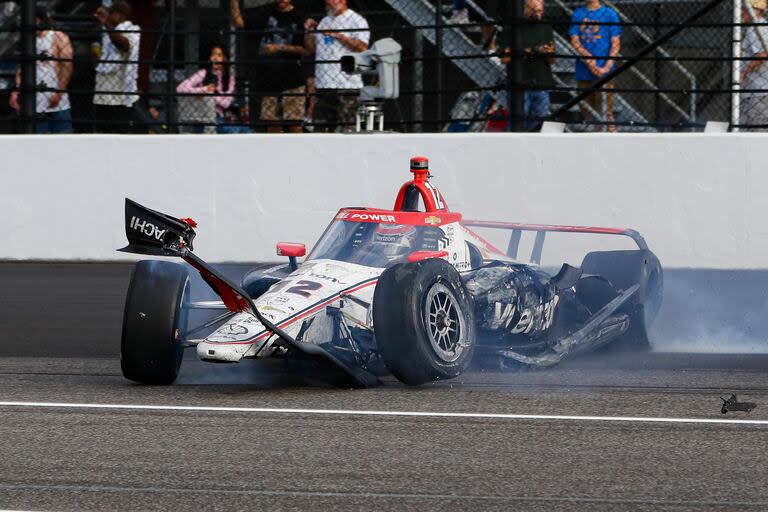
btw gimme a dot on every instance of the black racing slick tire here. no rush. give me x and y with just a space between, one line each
424 321
153 322
624 269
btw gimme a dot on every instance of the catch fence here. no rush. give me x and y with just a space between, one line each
208 66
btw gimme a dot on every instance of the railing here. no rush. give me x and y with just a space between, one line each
442 64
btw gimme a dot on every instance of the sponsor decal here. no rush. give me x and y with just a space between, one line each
304 288
388 239
146 228
267 307
432 220
234 330
544 312
372 217
326 278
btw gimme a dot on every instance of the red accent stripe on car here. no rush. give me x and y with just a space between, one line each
544 227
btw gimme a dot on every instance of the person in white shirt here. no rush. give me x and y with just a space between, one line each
53 73
754 73
117 71
341 32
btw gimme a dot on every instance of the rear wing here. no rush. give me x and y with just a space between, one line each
541 232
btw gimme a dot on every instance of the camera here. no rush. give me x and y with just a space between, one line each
382 60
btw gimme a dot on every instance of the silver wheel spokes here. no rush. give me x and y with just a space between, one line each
444 323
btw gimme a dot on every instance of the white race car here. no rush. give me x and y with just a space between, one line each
413 291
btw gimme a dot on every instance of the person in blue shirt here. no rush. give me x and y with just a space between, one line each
596 36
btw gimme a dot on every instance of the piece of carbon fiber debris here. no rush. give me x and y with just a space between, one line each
732 404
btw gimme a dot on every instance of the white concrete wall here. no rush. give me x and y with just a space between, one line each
699 199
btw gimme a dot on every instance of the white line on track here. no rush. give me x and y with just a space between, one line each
629 500
352 412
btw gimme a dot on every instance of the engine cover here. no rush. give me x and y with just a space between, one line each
512 299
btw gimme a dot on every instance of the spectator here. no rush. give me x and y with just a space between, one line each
754 73
596 36
459 13
280 67
496 12
341 32
54 114
215 79
539 50
117 71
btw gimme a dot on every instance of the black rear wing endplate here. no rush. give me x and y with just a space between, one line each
154 233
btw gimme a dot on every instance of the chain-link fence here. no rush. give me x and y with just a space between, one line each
235 66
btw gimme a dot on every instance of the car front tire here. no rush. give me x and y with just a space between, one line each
153 322
424 321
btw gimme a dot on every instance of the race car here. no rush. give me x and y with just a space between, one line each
413 291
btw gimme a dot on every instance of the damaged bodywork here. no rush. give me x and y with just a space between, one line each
414 291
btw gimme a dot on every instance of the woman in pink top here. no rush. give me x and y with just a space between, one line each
215 79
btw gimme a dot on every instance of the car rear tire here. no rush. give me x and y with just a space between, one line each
624 269
424 321
153 322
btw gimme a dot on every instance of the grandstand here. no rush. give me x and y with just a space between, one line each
450 81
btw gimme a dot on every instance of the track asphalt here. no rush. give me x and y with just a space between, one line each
576 437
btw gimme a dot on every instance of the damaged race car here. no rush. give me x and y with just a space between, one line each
414 291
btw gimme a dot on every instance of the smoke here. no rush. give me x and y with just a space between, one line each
704 311
713 311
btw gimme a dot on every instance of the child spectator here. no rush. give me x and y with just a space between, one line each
596 36
215 79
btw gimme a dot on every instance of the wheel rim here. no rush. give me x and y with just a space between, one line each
445 323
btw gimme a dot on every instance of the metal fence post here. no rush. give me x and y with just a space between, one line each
736 66
418 80
170 100
28 66
191 36
439 61
512 22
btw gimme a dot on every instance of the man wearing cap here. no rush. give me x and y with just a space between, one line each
53 72
754 73
117 71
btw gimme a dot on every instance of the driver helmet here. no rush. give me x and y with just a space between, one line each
394 240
